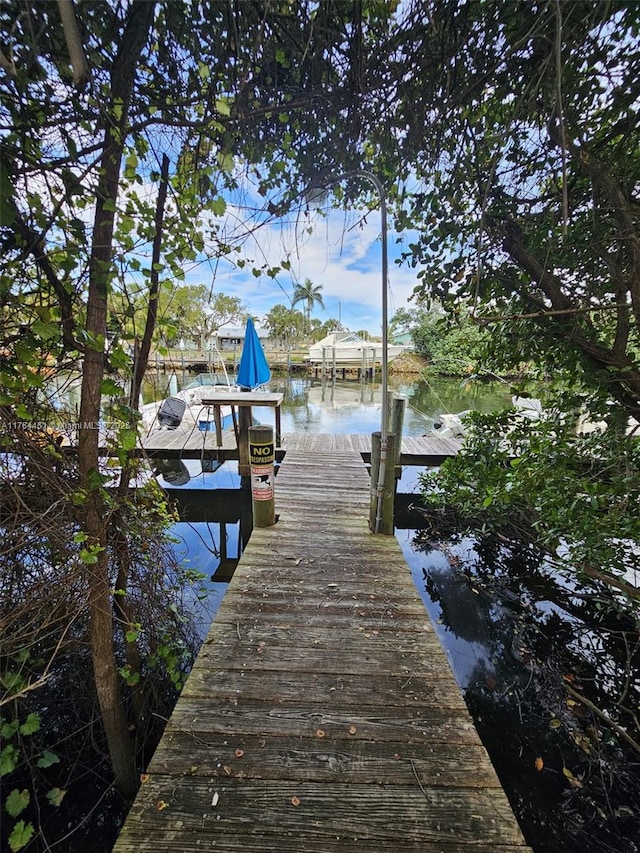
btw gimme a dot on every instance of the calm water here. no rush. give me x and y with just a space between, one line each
211 546
512 631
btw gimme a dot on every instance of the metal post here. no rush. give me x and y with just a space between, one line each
384 429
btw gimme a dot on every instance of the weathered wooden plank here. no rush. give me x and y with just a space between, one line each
321 759
310 596
303 635
315 565
335 621
326 689
358 814
431 722
184 840
295 658
369 630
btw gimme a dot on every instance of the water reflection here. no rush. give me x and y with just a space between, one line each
311 405
216 514
525 646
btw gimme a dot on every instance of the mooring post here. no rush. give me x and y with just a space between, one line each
382 505
262 458
244 425
398 407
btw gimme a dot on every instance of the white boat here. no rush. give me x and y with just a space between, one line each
450 425
453 426
185 409
350 350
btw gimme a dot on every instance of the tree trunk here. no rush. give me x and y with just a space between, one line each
123 610
107 683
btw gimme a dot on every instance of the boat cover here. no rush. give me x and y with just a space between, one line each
171 412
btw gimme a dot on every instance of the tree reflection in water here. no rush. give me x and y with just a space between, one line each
549 672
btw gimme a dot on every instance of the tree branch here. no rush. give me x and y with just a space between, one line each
624 372
617 728
74 44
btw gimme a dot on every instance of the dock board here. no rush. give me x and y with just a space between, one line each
321 714
193 444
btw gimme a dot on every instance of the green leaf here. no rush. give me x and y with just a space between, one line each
48 758
13 681
223 107
55 796
110 388
218 206
7 730
31 724
127 439
89 558
225 161
8 760
20 836
17 801
118 108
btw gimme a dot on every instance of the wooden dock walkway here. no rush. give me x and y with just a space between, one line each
321 714
193 444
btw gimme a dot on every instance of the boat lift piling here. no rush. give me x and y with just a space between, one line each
382 488
262 458
398 408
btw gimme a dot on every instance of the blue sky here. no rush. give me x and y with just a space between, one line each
343 254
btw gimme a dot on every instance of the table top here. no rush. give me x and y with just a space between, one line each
243 398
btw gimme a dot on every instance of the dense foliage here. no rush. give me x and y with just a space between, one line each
529 206
120 124
571 493
453 346
506 138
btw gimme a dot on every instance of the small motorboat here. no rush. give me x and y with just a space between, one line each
185 409
453 426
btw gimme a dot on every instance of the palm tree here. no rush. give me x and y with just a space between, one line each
310 294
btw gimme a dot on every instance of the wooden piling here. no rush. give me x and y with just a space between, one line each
262 458
385 511
398 407
244 425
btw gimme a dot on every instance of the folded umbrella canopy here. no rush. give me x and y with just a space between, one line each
253 369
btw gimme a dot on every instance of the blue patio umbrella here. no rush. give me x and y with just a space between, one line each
253 369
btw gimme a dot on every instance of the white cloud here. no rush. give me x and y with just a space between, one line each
343 254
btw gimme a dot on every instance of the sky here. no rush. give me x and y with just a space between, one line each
343 254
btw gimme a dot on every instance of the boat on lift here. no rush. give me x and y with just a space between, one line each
349 350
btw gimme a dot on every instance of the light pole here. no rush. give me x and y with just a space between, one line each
384 425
